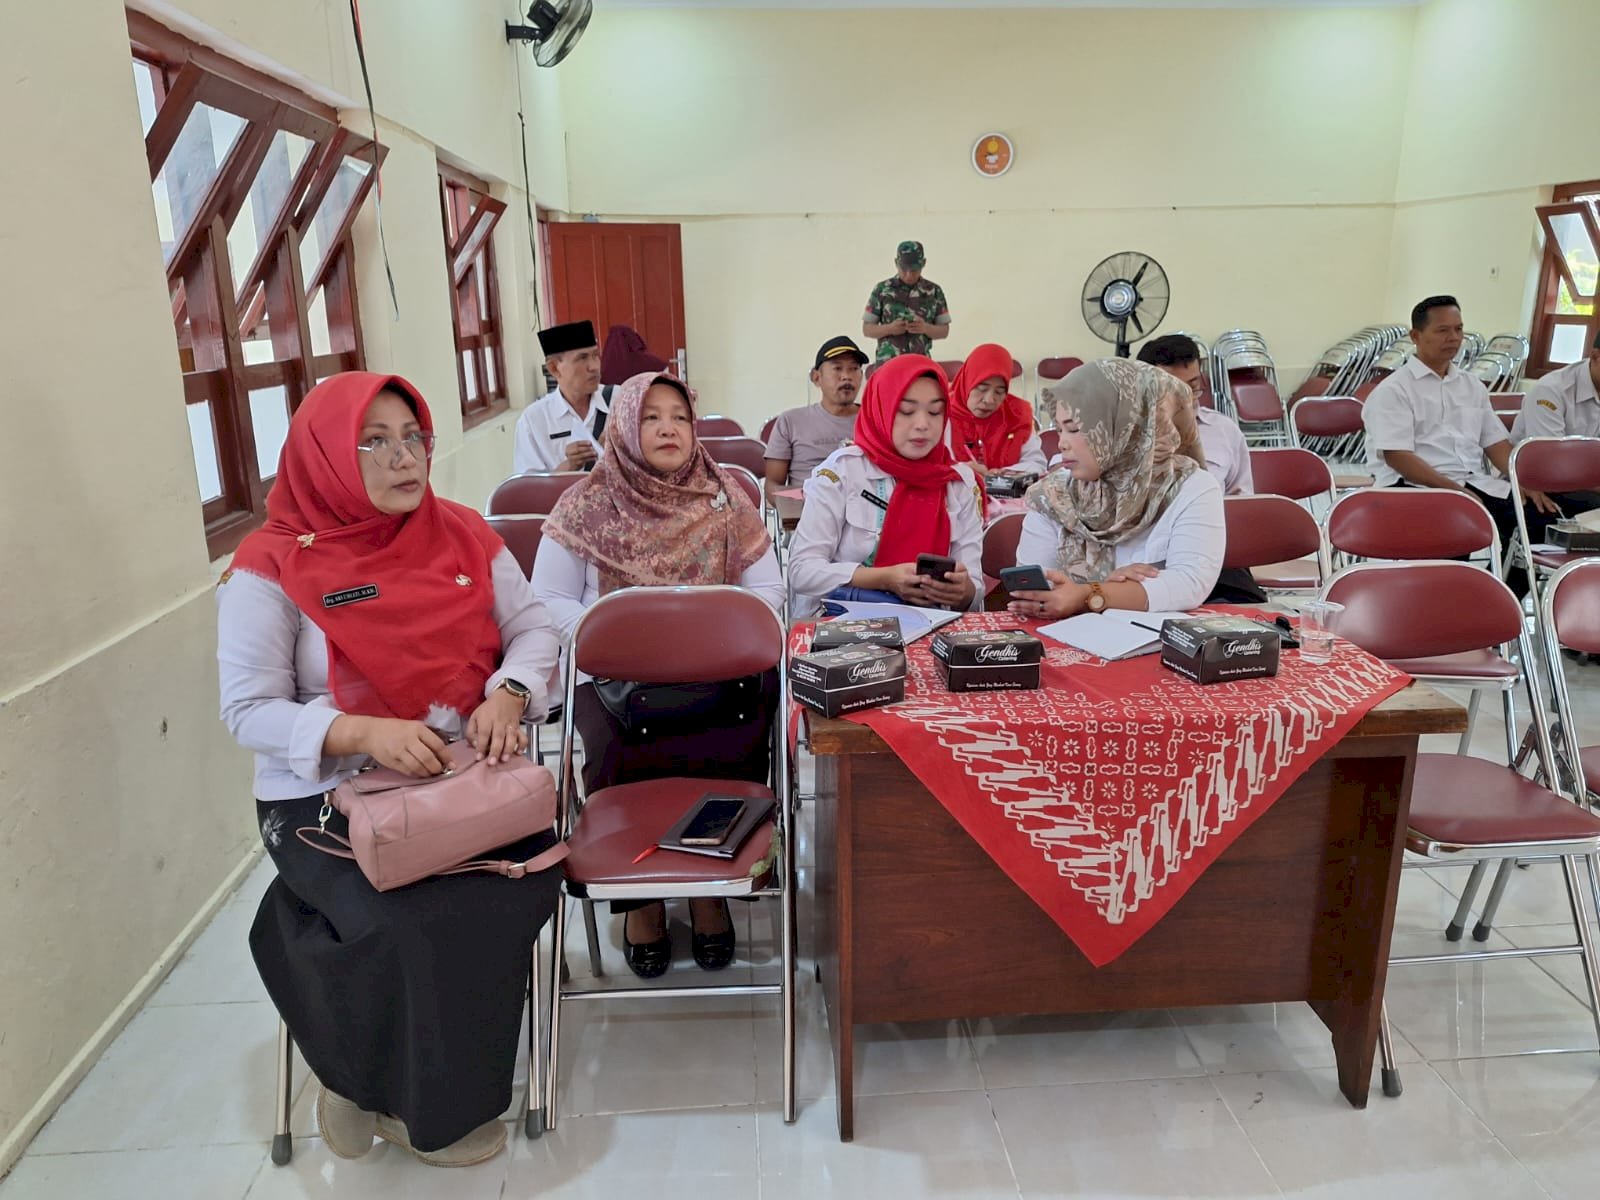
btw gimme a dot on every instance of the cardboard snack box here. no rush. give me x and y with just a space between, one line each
988 660
848 678
1220 649
854 631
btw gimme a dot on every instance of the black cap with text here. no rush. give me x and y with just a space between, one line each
836 347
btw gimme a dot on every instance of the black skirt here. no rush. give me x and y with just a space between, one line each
407 1002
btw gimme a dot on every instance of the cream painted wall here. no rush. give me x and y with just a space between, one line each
752 344
797 159
127 806
1494 118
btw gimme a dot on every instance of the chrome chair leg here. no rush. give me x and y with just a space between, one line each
533 1121
592 932
787 937
1583 914
1458 923
1480 931
1390 1071
1472 720
282 1141
553 1036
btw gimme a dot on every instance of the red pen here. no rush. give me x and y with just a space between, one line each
646 853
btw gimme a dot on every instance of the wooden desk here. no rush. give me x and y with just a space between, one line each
915 922
788 510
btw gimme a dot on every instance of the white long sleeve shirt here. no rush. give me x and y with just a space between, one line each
1187 542
548 426
273 665
569 583
839 526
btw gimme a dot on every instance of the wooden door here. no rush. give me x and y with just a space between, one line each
620 275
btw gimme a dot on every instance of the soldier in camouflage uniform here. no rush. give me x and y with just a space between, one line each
906 313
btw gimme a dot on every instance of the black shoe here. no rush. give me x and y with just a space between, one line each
713 951
647 960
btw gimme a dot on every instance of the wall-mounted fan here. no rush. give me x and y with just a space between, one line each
554 27
1126 289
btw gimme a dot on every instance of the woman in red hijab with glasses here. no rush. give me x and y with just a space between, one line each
895 493
365 620
990 429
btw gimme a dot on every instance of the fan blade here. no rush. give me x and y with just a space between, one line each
1143 267
1134 317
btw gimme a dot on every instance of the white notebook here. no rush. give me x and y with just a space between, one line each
1114 634
914 622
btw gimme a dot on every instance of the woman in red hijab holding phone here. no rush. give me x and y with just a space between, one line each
990 429
894 495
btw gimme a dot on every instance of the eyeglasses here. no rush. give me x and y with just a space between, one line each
386 451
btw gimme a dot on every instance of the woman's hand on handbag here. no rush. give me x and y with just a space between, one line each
1062 600
495 728
409 747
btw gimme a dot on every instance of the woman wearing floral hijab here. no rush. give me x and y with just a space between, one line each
656 510
1128 495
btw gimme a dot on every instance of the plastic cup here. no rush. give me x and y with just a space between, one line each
1316 633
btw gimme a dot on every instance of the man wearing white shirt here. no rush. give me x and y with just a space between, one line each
1563 403
562 431
1431 425
1227 453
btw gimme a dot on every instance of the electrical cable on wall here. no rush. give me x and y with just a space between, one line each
527 195
372 112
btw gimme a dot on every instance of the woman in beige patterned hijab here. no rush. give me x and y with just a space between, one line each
1126 464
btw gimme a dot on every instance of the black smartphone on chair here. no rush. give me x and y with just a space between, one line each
712 824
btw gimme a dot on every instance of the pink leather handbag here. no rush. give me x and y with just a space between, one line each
404 829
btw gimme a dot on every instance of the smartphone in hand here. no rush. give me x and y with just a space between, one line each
1024 579
938 566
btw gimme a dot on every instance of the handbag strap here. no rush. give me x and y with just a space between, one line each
510 868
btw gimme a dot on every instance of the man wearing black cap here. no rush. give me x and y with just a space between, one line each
802 437
562 431
906 312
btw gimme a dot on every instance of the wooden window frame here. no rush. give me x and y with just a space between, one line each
212 311
1578 199
470 214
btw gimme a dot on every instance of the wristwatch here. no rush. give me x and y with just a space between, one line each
520 691
1097 598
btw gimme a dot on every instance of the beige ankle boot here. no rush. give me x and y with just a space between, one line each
347 1130
482 1144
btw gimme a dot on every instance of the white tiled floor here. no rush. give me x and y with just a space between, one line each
1502 1091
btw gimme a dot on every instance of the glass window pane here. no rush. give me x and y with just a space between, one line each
1567 306
187 175
481 270
317 314
268 195
489 371
203 438
469 375
269 413
315 237
1568 343
1573 238
144 86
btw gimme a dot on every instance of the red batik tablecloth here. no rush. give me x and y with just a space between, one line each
1106 793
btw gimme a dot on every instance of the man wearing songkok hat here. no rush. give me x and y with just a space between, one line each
562 431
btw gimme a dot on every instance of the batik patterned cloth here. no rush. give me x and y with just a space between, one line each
1105 794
